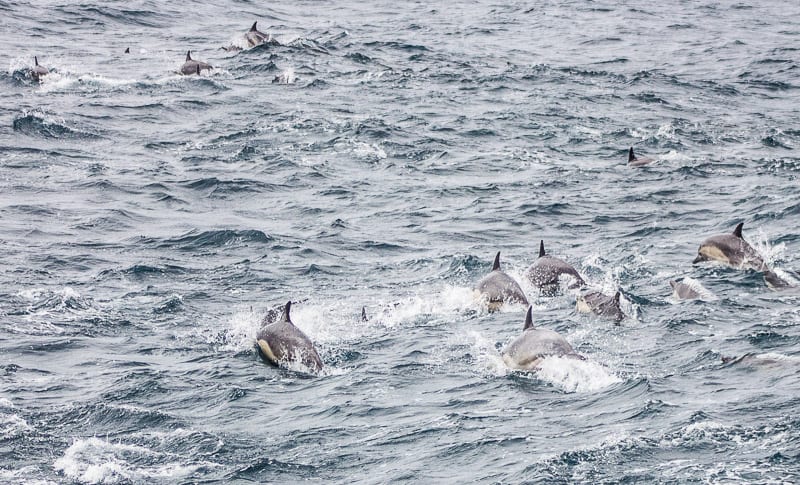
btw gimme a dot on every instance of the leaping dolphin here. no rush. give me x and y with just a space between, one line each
546 271
732 250
528 350
498 288
281 343
600 304
192 66
635 161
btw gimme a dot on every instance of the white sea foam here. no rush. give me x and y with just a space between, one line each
93 460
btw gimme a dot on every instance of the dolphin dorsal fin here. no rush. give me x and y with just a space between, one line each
528 319
631 156
364 314
285 316
616 297
35 61
541 248
738 231
127 50
496 264
188 55
253 28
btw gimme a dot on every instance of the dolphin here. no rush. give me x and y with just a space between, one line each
528 350
498 288
193 67
38 71
732 250
545 272
635 161
778 282
281 342
253 38
682 291
600 304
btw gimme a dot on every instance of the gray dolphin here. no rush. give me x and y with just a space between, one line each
527 351
254 38
498 288
600 304
192 66
38 71
732 250
682 291
635 161
776 282
545 272
281 342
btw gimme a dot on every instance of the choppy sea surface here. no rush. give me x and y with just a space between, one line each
149 220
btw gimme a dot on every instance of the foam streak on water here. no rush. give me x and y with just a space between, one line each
149 221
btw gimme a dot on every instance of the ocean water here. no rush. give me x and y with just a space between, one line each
149 220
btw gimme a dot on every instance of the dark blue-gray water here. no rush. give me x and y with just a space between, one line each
149 220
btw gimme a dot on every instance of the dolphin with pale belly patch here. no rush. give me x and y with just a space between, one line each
281 343
732 250
499 288
546 272
528 350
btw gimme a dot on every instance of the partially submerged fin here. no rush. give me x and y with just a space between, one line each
364 314
35 61
631 156
285 316
496 264
528 319
198 69
616 297
127 50
738 231
541 248
188 55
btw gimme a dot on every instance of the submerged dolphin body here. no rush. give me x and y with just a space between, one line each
601 304
192 66
635 161
683 291
545 272
281 343
499 288
527 351
732 250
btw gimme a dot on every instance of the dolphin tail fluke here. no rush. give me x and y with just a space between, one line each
738 231
253 28
528 319
285 316
631 156
541 248
496 264
188 55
